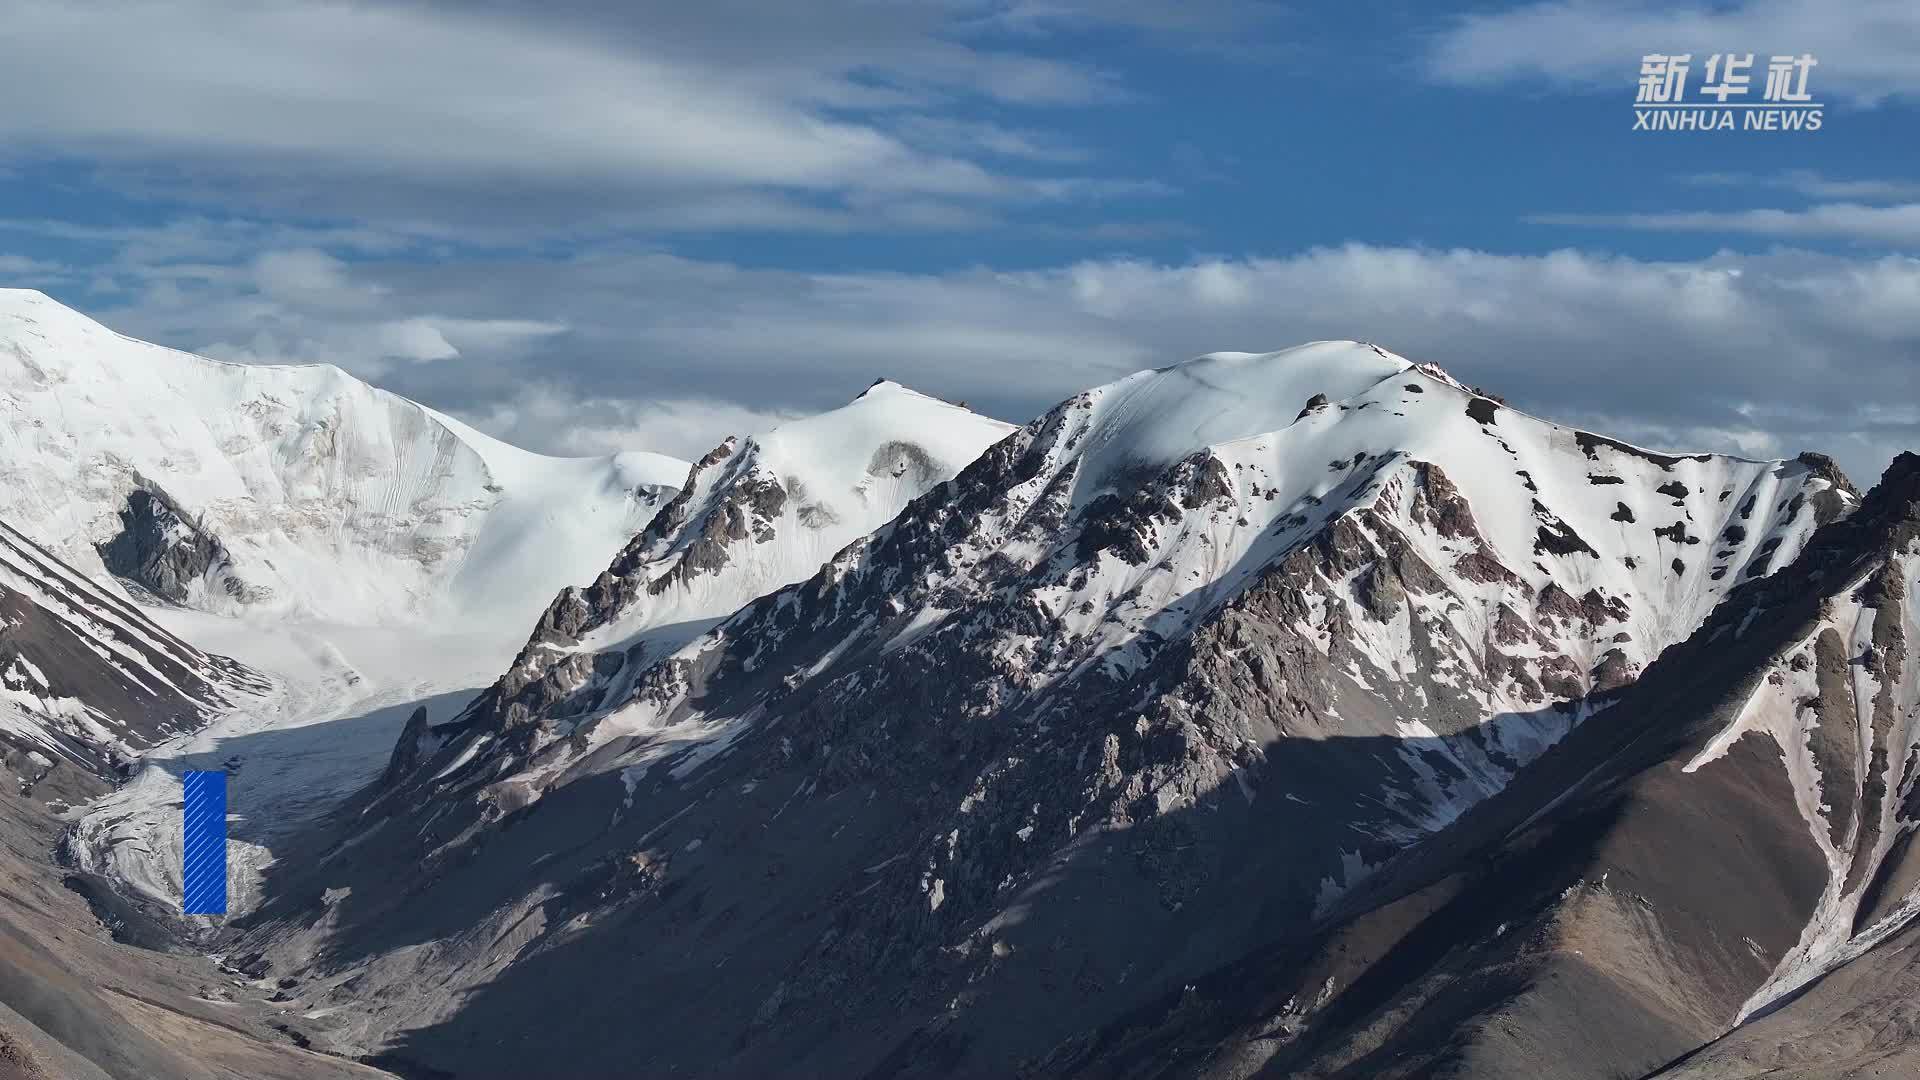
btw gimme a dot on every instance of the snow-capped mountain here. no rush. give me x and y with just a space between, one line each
292 490
1170 670
752 517
86 679
1127 517
1714 878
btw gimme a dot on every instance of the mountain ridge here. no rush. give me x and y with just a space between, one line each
1140 649
1297 713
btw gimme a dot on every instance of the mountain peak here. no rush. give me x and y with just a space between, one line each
33 312
752 517
1889 513
1902 478
883 385
884 389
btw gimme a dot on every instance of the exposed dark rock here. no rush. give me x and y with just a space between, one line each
164 551
1827 469
1480 566
1440 502
1613 672
1835 739
93 676
1556 537
1591 444
1676 532
407 748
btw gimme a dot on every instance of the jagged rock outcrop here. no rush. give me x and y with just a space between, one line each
752 517
414 743
161 551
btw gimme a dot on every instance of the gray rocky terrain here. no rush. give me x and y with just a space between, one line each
90 984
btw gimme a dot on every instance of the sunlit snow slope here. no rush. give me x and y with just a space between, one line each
288 489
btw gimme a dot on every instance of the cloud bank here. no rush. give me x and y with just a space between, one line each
1761 354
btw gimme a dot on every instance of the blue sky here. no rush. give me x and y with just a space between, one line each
585 225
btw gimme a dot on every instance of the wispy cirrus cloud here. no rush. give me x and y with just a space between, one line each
1865 48
830 116
1813 185
1881 226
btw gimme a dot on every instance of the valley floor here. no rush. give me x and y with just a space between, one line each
340 699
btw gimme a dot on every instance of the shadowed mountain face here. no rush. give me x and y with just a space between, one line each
1169 689
1695 855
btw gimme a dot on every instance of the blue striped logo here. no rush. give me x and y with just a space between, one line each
204 843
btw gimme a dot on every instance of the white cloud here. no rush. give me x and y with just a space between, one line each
1865 48
28 270
640 116
306 306
1792 344
1889 226
1815 185
310 277
561 422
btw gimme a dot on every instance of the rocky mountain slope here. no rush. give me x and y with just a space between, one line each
90 991
89 987
288 490
87 681
1728 842
752 517
1168 674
